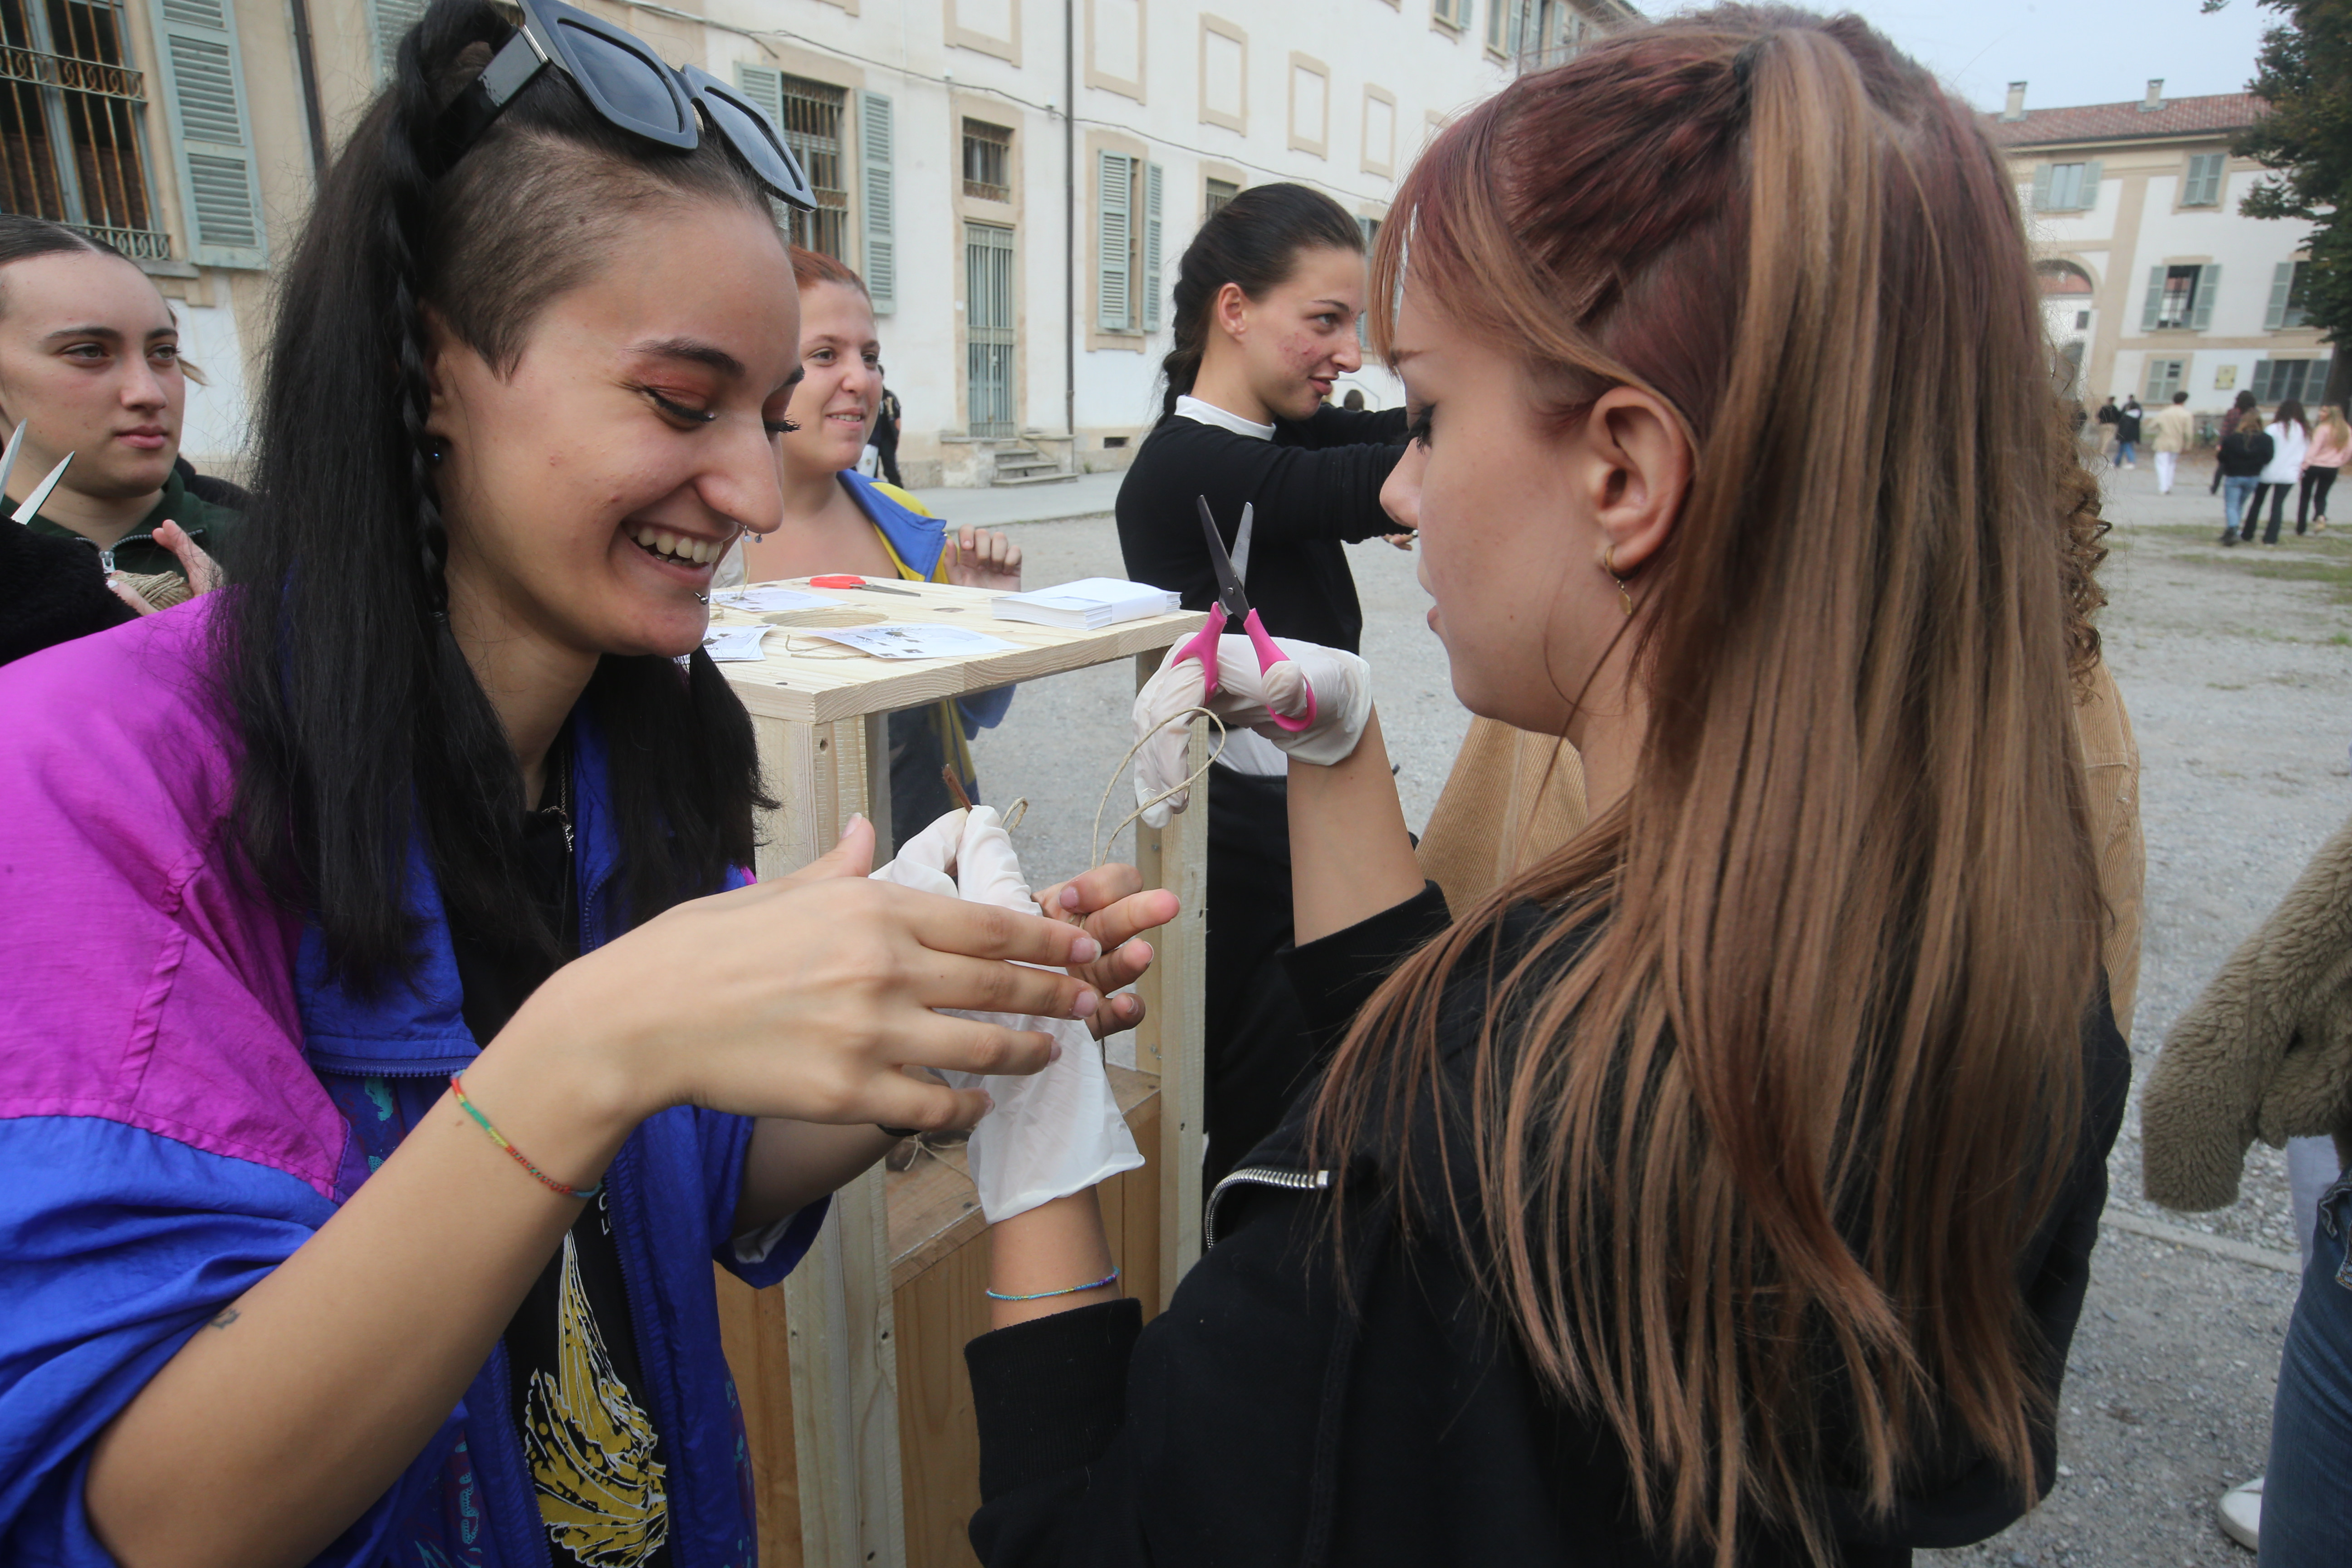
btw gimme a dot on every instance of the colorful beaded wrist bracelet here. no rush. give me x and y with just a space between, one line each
1109 1278
499 1138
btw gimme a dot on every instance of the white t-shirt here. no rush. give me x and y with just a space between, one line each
2288 444
1191 407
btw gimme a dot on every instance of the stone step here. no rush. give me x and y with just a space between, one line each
1003 481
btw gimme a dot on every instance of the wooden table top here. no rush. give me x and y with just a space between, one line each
813 681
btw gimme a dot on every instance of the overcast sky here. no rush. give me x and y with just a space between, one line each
2070 51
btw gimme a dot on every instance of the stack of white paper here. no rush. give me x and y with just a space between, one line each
1087 605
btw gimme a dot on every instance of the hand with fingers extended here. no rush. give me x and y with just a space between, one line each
1059 1132
810 998
983 558
1111 904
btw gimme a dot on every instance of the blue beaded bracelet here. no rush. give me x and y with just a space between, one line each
1109 1278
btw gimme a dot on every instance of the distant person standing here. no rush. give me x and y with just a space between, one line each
2290 435
2245 451
1266 300
2108 415
2243 407
884 438
1354 401
2331 443
2173 427
2128 422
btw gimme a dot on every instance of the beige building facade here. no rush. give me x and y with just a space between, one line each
2153 283
1016 179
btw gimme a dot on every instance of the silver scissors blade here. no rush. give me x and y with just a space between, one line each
1241 539
32 505
1229 581
8 456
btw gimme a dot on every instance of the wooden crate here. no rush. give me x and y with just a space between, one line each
854 1398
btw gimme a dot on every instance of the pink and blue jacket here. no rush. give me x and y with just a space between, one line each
184 1098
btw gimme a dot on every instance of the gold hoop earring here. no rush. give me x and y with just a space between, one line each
1609 564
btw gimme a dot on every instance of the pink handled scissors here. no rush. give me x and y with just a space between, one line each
1232 603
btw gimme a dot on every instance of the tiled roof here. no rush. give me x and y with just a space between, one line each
2211 115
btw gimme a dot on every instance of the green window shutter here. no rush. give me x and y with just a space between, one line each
2204 180
2282 283
878 221
1153 182
202 89
2155 299
1112 310
2200 308
388 23
764 86
2089 197
2041 188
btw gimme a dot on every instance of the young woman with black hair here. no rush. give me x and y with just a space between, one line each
382 1062
1722 1187
1267 300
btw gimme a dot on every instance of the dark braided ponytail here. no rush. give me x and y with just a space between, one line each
417 100
1254 240
365 733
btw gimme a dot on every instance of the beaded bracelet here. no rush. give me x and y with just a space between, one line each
1109 1278
499 1138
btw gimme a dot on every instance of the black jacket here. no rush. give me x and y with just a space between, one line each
1259 1422
2246 451
1316 484
51 591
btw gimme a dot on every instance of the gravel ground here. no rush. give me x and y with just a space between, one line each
2237 668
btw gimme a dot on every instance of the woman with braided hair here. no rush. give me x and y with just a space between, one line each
384 1058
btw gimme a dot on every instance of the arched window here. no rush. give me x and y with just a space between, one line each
2062 278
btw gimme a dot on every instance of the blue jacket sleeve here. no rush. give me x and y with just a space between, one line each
121 1244
764 1257
985 709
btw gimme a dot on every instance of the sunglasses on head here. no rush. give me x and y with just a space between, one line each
632 89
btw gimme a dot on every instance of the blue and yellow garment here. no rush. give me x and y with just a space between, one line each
924 739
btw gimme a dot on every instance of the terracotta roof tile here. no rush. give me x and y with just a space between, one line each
2127 121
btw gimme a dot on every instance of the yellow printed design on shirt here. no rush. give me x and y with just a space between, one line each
590 1448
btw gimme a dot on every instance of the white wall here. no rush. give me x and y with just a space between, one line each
212 429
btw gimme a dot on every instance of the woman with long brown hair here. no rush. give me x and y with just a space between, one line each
1721 1187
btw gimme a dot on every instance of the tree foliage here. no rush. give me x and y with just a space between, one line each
2303 72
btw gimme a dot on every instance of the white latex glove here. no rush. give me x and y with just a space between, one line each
927 861
1051 1133
1246 698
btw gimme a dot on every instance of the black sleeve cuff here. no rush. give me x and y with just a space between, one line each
1050 1393
1335 975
